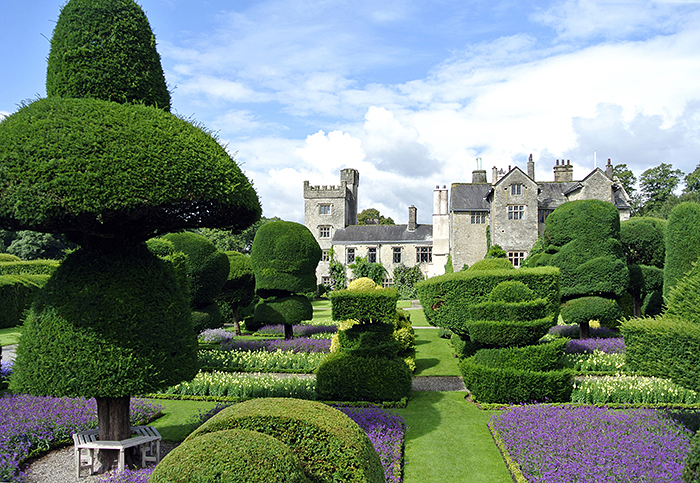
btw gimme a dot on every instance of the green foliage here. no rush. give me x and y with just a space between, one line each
626 177
239 288
230 455
691 466
245 386
239 241
284 310
31 245
643 241
539 357
100 341
462 346
682 243
6 257
449 268
336 272
16 295
516 311
363 268
505 333
582 238
405 280
666 347
656 186
207 317
31 267
344 377
284 259
105 49
511 291
365 306
492 264
260 361
584 309
375 340
330 445
447 298
371 216
149 173
683 301
207 267
512 386
631 389
495 251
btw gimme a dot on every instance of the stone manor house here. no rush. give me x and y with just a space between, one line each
510 210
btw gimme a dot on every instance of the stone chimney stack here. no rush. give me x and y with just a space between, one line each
563 172
412 218
479 176
494 175
609 169
531 168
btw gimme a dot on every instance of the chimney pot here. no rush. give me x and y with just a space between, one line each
412 218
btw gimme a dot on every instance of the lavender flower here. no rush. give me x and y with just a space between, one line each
611 345
128 476
573 331
215 336
32 423
582 444
302 330
302 344
5 370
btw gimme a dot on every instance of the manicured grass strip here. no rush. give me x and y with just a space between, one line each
9 336
179 417
448 441
434 355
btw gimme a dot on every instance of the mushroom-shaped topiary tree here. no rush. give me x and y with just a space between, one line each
112 321
239 289
284 257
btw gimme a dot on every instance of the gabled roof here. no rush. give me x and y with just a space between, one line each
469 196
553 193
504 178
372 234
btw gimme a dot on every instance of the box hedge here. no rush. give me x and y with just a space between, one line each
366 306
504 333
330 445
584 309
16 295
682 243
234 455
344 377
513 386
29 267
447 298
667 347
284 310
539 357
643 241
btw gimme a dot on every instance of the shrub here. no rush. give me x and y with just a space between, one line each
364 269
505 385
230 455
6 257
343 377
375 340
30 267
511 291
691 466
683 300
365 306
463 346
284 310
492 264
447 298
208 317
16 295
682 243
207 267
330 446
363 283
584 309
540 357
643 241
665 347
405 280
516 311
500 333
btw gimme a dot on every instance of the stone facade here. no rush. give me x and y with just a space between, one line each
510 212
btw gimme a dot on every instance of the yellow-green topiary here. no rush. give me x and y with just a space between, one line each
363 283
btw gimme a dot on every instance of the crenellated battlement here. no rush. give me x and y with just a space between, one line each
324 191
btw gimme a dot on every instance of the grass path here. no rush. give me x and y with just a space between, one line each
448 440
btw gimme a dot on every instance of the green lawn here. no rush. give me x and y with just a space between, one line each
176 422
434 355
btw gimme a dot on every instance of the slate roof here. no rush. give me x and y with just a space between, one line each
371 234
469 197
552 193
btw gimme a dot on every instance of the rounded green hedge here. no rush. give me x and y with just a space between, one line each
207 317
124 329
6 257
503 333
286 310
584 309
330 446
511 291
230 456
643 241
105 173
369 340
284 257
207 267
491 264
239 288
344 377
682 243
105 49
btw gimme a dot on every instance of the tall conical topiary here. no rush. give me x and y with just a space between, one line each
111 175
106 50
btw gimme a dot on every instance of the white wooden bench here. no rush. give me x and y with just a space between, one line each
147 438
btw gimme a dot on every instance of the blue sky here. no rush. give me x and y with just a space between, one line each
411 92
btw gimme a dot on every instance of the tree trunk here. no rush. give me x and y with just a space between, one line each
288 332
114 425
236 322
585 330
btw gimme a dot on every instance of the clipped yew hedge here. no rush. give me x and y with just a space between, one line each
365 306
29 267
16 295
